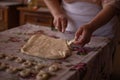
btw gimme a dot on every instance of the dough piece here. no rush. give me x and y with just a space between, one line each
46 47
73 46
3 66
42 75
33 62
38 67
54 68
12 70
10 57
2 56
19 60
20 68
27 64
25 73
70 43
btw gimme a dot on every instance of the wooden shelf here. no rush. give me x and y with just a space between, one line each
40 16
9 15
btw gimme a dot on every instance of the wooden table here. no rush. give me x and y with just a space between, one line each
95 65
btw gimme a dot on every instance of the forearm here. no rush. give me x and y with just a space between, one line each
54 6
104 16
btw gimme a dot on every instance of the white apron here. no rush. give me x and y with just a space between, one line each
80 13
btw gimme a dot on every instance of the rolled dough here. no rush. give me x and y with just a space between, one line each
46 47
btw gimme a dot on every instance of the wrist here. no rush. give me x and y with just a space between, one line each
89 27
92 26
56 14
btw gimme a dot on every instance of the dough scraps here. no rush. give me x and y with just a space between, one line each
46 47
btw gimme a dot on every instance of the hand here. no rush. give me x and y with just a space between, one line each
83 35
60 22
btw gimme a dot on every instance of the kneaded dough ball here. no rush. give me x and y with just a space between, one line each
42 75
10 57
19 60
41 65
33 62
37 67
19 68
27 64
12 70
25 73
3 66
2 56
54 68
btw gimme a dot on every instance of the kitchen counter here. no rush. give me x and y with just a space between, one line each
94 65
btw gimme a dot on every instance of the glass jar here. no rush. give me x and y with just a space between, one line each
32 4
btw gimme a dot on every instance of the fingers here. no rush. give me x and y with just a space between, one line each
82 37
78 34
57 24
79 37
60 23
63 24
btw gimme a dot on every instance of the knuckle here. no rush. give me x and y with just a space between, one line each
63 18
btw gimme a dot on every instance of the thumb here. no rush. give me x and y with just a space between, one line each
77 34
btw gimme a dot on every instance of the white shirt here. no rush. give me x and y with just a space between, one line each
79 13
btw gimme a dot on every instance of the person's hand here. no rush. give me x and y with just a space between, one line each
60 22
83 35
